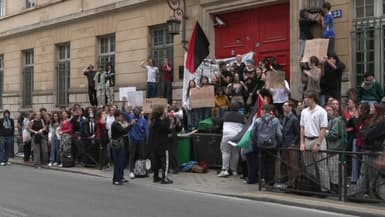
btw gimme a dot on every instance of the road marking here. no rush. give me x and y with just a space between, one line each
4 212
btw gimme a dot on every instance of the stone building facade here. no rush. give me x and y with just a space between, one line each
45 44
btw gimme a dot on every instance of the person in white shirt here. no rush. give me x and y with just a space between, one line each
314 123
152 81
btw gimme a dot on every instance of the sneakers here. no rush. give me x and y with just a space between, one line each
2 164
166 181
8 163
224 173
232 143
117 183
60 165
55 164
124 180
132 175
50 165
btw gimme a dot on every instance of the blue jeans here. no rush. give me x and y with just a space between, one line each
193 120
356 162
5 147
252 166
54 155
152 89
109 153
119 159
203 113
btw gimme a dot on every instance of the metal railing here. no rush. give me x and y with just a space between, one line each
347 176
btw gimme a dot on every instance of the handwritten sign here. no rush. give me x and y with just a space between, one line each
203 97
315 47
150 103
125 91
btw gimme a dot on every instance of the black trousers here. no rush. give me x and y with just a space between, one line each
135 152
160 160
267 165
252 166
92 96
27 151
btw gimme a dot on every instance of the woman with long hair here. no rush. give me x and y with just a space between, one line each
236 90
192 114
279 89
54 138
101 133
66 131
374 136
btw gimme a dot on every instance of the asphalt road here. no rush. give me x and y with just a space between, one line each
29 192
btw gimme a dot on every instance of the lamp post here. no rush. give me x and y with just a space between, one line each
174 23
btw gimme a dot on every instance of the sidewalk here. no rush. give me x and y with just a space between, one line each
233 187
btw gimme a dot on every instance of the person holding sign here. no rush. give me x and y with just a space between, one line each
152 73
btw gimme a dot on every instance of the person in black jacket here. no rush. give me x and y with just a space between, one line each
7 132
90 73
117 141
160 127
331 78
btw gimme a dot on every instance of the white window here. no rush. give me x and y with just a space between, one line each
2 8
30 3
107 50
28 80
63 74
1 79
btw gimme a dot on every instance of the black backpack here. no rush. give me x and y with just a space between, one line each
265 135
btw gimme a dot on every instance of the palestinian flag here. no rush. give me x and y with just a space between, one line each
198 48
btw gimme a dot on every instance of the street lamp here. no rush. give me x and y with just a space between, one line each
174 23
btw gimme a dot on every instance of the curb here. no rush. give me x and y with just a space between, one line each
59 169
304 205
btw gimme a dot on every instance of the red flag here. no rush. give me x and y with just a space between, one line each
198 48
260 103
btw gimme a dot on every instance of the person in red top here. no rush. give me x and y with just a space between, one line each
166 82
66 136
101 134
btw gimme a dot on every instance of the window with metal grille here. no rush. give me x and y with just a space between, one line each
2 8
162 44
1 79
365 52
63 74
28 71
315 3
30 3
107 50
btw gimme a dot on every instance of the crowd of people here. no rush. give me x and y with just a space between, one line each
95 136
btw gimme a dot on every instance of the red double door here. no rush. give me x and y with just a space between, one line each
264 30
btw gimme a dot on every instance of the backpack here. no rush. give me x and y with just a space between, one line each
140 169
265 135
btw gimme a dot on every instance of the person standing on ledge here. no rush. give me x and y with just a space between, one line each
152 73
90 73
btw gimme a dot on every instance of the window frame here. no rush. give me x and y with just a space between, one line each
165 45
63 57
1 79
3 8
30 4
107 55
28 67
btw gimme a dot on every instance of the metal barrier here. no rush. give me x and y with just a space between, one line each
323 174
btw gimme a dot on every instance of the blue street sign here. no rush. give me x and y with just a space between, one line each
337 13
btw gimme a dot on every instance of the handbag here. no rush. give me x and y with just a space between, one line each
117 143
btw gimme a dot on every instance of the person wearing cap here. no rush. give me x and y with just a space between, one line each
370 90
7 132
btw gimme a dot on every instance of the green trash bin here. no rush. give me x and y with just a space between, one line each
184 149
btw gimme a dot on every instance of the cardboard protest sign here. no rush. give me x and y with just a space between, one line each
203 97
150 103
315 47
